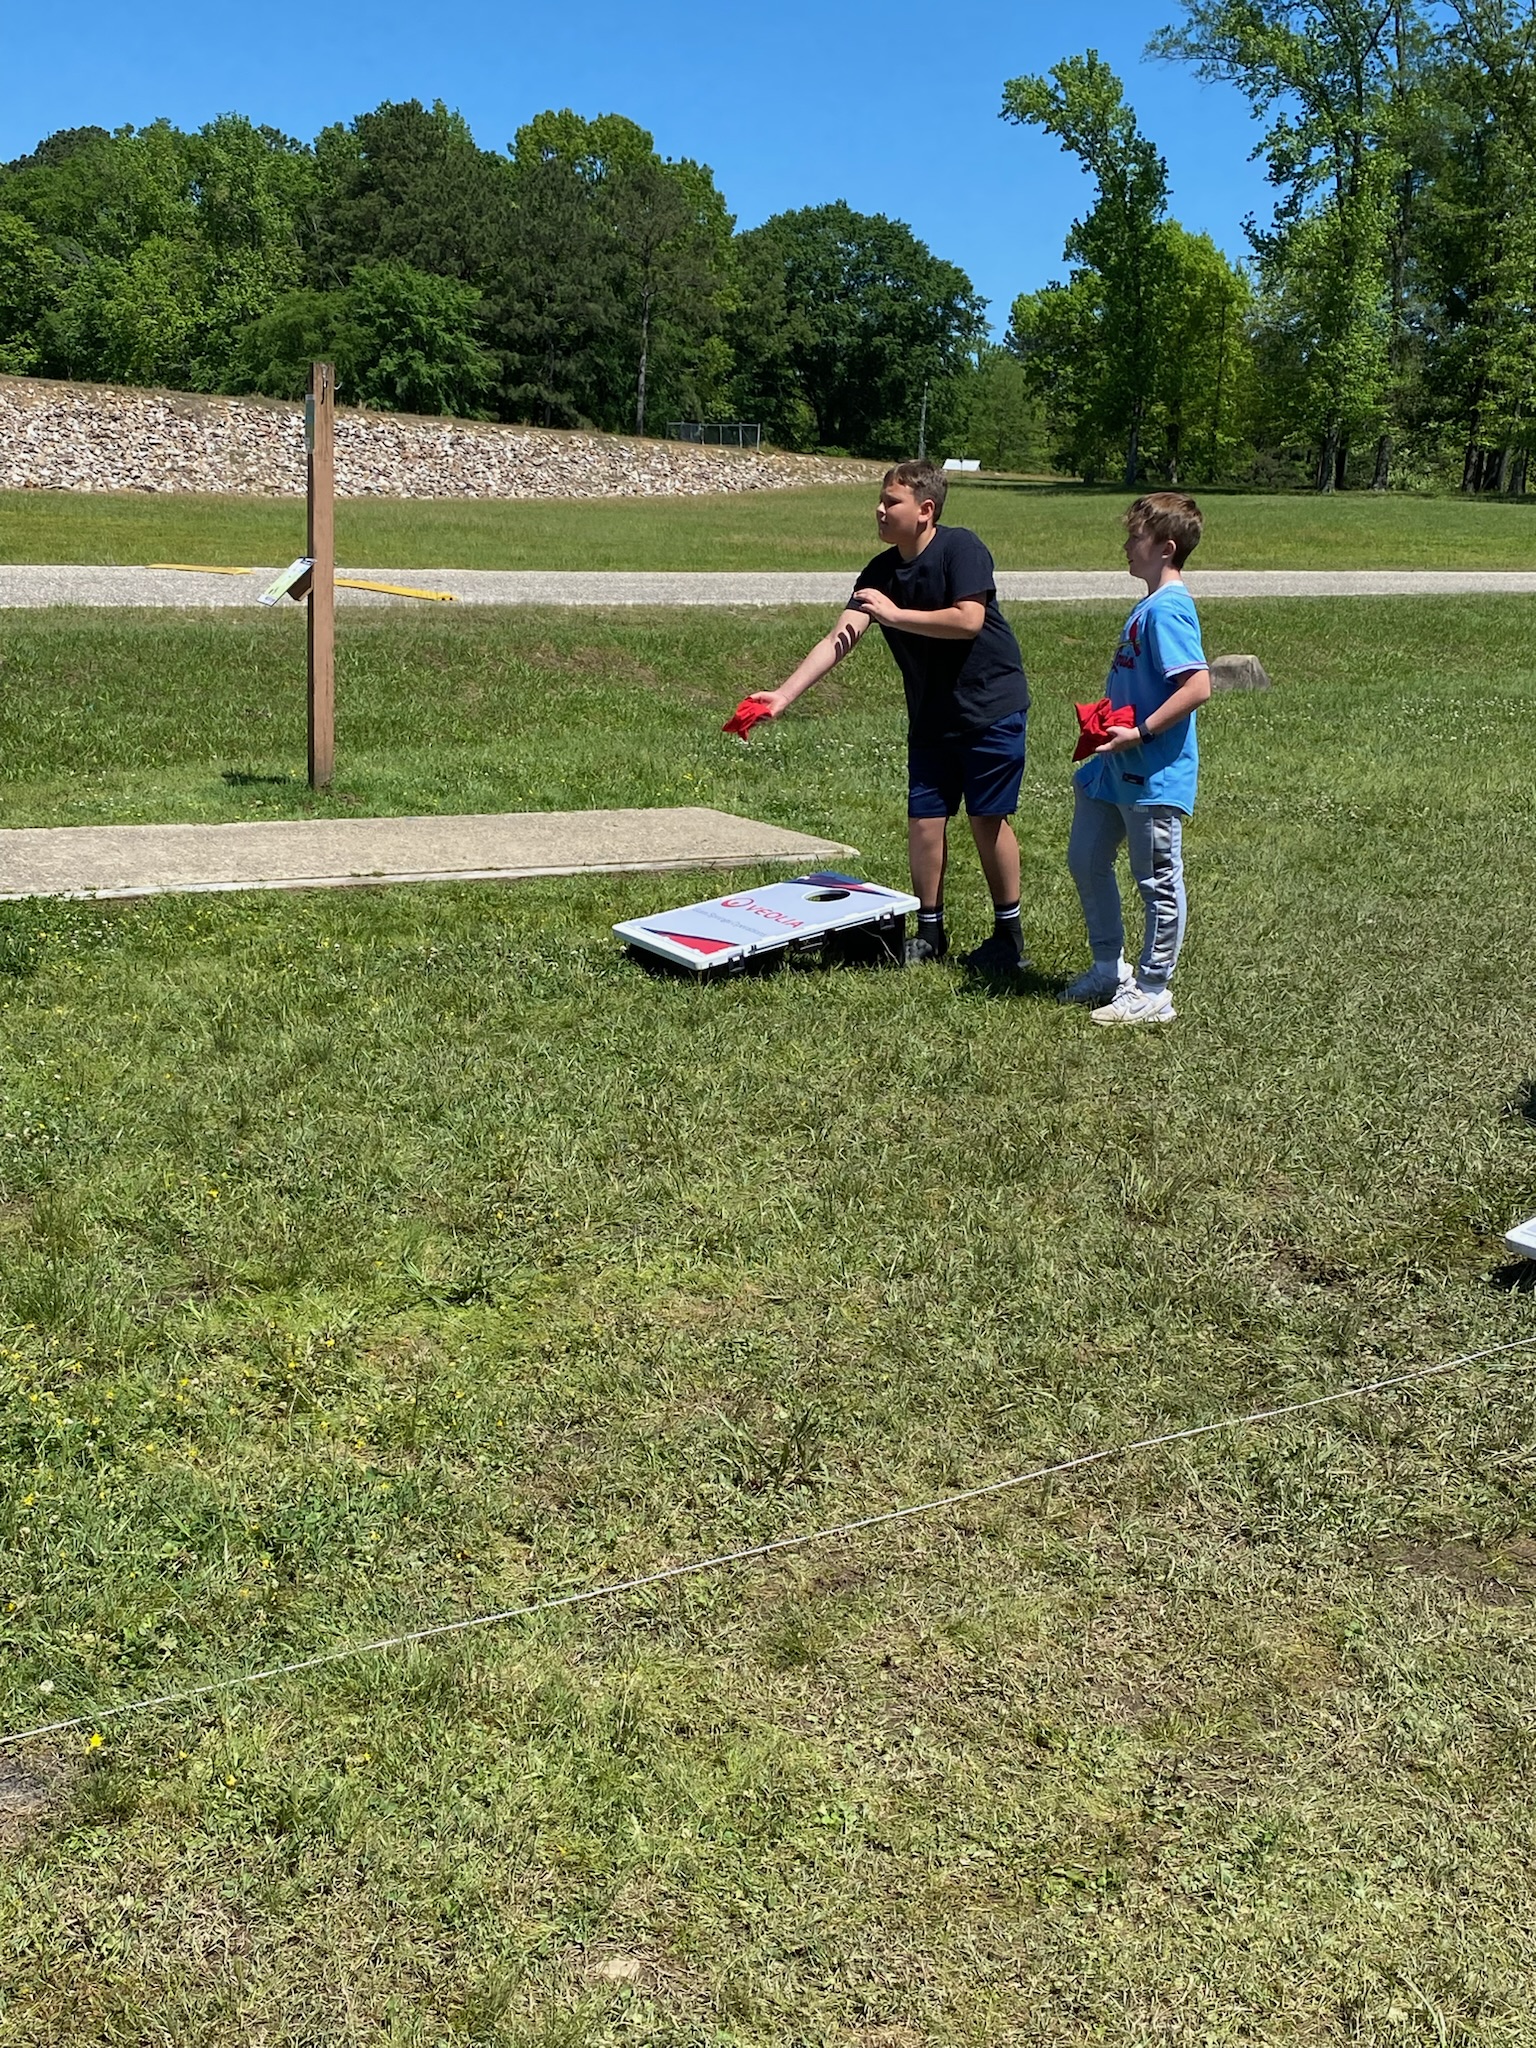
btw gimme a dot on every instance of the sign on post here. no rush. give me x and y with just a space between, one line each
290 582
320 551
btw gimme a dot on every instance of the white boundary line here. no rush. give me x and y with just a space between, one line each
759 1550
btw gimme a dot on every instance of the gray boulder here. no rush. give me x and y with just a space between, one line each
1238 672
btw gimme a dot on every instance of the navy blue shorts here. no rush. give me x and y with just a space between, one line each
984 771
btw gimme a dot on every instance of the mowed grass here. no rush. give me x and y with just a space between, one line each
1027 526
378 1258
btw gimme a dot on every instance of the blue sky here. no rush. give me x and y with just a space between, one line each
792 104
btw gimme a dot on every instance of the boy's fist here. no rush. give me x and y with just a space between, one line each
1120 740
881 608
760 704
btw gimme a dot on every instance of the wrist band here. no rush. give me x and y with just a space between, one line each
1141 731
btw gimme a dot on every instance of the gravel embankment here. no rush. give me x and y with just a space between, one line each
108 437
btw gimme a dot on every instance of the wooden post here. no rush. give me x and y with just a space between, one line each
320 447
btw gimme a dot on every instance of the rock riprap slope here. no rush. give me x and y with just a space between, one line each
109 437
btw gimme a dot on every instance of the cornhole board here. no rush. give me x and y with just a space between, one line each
813 911
1522 1239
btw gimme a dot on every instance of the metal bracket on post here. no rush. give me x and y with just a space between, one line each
320 551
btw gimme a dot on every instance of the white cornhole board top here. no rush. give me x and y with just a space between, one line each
1522 1239
729 929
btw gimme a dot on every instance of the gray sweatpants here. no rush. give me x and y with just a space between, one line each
1153 839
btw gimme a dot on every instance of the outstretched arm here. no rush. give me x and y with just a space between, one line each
822 659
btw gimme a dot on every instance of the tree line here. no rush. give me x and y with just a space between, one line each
1383 332
1380 332
576 279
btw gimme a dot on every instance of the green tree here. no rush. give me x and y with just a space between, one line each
28 284
57 148
1329 318
134 319
1339 84
417 342
89 193
1082 103
768 345
407 183
658 256
1202 403
162 246
1196 407
594 149
1478 262
401 339
862 315
252 190
1058 335
273 353
553 304
990 413
671 235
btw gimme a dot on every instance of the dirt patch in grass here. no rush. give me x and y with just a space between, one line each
30 1794
1498 1578
1295 1271
610 1966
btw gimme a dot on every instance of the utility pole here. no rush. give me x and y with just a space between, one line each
922 426
320 451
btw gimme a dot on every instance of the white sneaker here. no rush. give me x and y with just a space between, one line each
1133 1005
1098 985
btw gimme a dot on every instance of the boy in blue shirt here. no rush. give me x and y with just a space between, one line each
1139 786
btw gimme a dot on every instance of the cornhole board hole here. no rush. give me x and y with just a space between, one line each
1522 1239
837 915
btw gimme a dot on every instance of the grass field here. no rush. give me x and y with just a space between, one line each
376 1258
1027 526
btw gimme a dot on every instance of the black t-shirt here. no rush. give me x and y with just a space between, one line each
955 688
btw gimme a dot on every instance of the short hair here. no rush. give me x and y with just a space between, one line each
923 479
1168 515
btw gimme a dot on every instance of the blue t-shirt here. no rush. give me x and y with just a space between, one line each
1159 647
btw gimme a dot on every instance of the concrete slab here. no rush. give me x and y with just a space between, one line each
30 586
103 861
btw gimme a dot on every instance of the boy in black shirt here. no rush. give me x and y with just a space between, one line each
933 596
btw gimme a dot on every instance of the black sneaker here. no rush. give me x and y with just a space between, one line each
997 955
919 951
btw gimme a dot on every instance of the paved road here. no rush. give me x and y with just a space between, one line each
75 585
337 853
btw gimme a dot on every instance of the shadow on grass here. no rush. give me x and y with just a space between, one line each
868 958
1524 1102
1028 985
1518 1277
237 778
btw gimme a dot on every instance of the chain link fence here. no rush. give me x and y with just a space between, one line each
717 433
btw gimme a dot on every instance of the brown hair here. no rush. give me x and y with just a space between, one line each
1168 515
923 480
